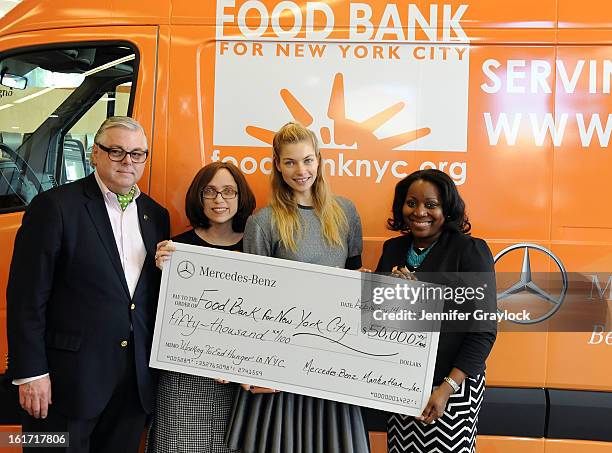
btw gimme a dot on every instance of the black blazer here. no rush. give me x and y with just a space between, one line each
68 302
453 253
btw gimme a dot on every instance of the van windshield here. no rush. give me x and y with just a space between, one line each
47 128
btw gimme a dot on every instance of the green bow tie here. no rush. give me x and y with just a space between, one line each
125 200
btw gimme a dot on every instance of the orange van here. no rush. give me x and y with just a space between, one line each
511 99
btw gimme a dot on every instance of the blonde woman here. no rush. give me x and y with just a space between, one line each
304 222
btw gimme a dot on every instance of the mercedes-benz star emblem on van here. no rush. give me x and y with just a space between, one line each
526 284
185 269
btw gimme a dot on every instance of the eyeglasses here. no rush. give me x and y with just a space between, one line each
227 193
118 154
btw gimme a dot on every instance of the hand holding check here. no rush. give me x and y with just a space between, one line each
256 389
163 252
403 272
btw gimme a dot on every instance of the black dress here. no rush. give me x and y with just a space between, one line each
192 412
455 431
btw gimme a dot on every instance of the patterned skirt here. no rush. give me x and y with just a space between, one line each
191 415
454 432
289 423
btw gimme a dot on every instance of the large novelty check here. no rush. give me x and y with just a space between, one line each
286 325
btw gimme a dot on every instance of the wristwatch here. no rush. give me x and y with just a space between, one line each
450 381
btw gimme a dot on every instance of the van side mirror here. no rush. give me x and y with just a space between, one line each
13 81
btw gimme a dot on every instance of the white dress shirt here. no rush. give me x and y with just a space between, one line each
128 237
131 248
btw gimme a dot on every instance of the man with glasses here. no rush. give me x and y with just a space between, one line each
82 299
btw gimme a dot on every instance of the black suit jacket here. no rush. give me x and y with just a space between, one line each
69 307
455 260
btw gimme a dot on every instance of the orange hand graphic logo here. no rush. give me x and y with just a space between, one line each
346 131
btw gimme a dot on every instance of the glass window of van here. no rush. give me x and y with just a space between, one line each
52 101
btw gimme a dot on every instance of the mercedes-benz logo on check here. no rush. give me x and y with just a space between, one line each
185 269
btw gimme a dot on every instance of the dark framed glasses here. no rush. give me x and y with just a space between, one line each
227 193
118 154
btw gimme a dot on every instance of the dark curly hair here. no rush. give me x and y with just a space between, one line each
453 206
194 205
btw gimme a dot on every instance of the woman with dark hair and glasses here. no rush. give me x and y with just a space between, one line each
192 412
435 244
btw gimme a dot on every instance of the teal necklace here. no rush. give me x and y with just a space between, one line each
415 259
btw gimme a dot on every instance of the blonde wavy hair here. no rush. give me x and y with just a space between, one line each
284 207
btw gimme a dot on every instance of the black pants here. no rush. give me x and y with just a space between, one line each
117 429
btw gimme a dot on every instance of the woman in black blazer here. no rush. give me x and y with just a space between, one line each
435 246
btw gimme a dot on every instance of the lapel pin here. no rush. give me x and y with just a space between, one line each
146 217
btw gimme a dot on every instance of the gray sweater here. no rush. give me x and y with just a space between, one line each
261 237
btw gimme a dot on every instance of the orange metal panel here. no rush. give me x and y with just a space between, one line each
574 446
521 14
584 36
499 444
378 442
8 228
512 36
518 359
372 249
141 12
186 116
159 152
580 360
45 14
10 429
496 171
577 213
584 14
186 12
